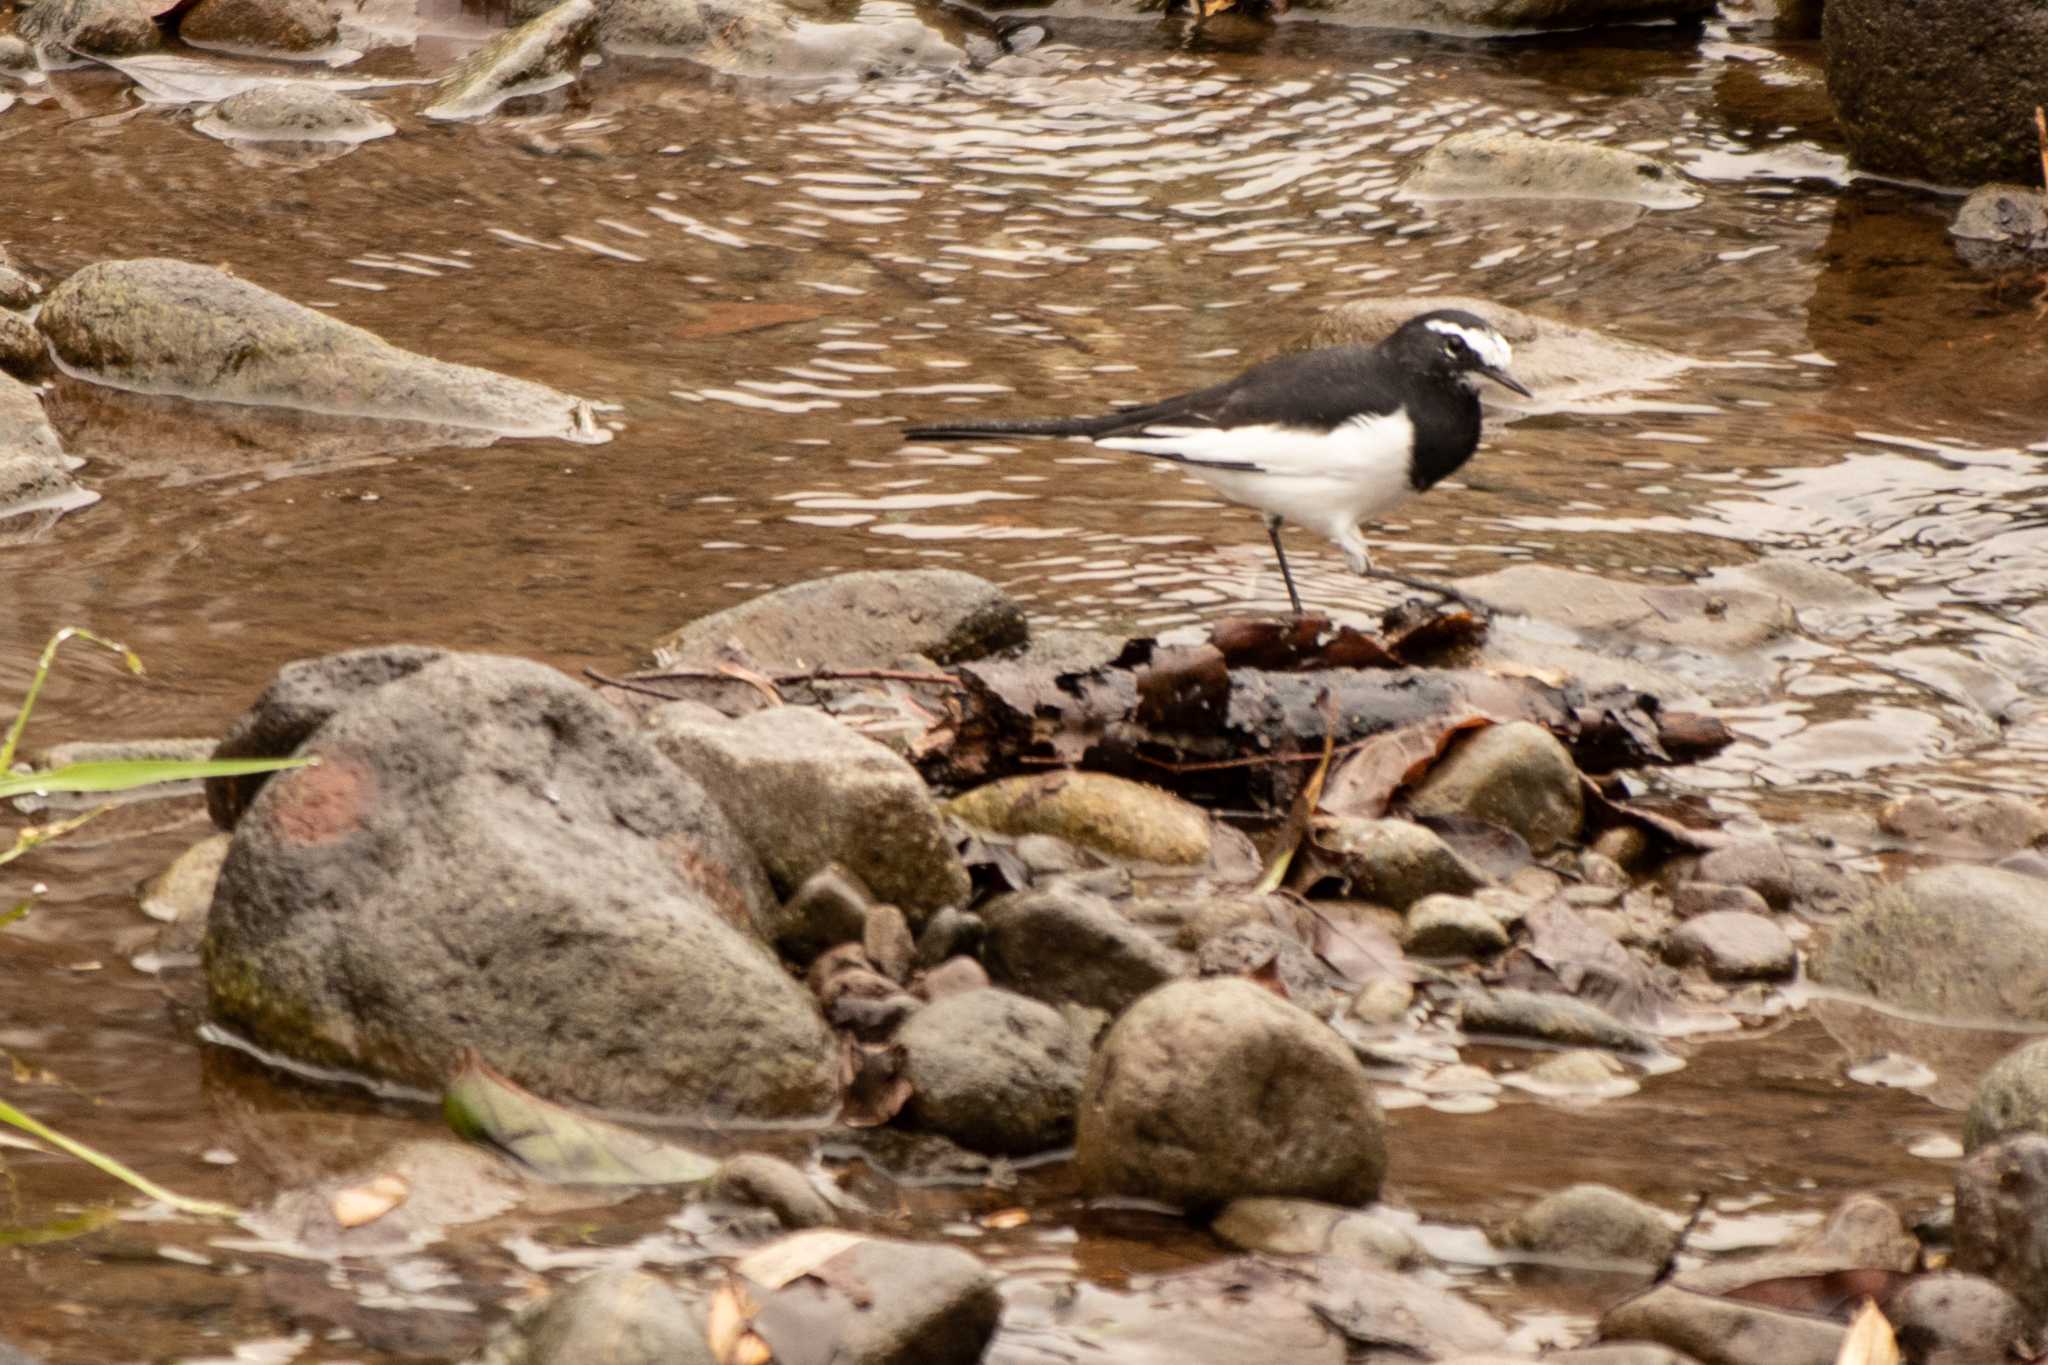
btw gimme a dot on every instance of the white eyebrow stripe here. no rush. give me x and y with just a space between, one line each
1489 345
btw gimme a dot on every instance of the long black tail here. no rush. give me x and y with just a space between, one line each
1029 426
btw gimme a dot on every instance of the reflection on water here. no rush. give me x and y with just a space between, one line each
767 287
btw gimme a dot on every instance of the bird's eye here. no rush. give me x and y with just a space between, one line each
1452 347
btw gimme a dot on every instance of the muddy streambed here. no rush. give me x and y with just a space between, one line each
765 284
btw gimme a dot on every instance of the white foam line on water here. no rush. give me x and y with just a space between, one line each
521 239
600 249
357 284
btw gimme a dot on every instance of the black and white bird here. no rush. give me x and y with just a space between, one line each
1325 439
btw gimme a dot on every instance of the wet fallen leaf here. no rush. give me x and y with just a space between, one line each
366 1203
725 1321
561 1144
1829 1295
1002 1220
1603 811
1365 782
1499 853
1568 953
1870 1340
1358 950
795 1256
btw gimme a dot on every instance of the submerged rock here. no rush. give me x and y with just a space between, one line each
60 29
1307 1227
170 327
621 1316
809 793
993 1071
541 54
1110 815
766 40
2001 227
2001 1223
1957 942
1208 1091
260 25
1064 945
1512 165
1593 1223
488 857
863 619
1721 622
1517 776
1943 93
294 113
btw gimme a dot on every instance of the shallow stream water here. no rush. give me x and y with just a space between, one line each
766 283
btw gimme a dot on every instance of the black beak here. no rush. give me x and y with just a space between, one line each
1505 380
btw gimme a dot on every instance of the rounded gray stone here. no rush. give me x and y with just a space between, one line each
2012 1098
1593 1223
773 1184
848 620
1733 945
1517 776
1452 926
1208 1091
1958 942
993 1071
1397 862
1064 945
294 113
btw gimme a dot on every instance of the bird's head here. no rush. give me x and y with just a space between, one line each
1455 345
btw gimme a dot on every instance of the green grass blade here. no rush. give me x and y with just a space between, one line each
36 835
127 774
201 1208
35 686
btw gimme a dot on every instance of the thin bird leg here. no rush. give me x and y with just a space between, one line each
1443 590
1273 534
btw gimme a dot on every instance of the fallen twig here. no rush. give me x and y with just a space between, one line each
643 683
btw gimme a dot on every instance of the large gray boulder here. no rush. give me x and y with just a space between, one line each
542 54
1958 942
171 327
868 618
1208 1091
488 857
1938 92
808 793
993 1071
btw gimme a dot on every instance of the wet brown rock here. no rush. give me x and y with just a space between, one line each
829 909
1785 880
1944 93
1452 926
103 28
993 1071
2001 1222
543 53
158 326
854 620
22 352
260 25
1692 899
1593 1223
1207 1091
877 1302
2001 227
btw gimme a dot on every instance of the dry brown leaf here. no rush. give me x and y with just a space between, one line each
1365 782
725 1322
366 1203
1870 1340
752 1350
795 1256
1004 1219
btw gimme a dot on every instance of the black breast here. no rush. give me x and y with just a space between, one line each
1446 418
